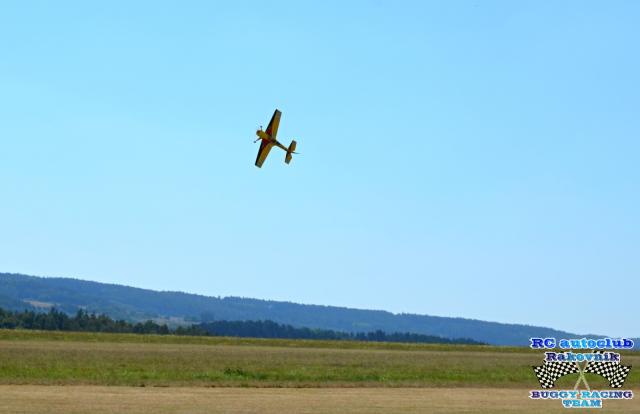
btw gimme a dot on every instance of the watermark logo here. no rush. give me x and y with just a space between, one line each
601 360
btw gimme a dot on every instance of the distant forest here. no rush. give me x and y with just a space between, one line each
82 321
270 329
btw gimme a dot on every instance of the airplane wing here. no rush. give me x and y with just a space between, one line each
272 129
265 147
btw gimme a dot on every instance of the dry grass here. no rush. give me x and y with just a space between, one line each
108 400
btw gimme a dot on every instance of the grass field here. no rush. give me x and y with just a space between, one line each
56 372
31 357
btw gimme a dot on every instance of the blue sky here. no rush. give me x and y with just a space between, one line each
459 158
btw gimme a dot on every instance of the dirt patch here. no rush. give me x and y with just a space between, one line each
32 399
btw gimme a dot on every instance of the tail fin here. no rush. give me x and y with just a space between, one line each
291 150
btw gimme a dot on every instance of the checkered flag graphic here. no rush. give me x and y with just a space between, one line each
549 372
613 371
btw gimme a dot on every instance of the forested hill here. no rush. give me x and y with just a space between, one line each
82 321
20 292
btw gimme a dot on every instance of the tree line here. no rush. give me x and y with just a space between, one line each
270 329
83 321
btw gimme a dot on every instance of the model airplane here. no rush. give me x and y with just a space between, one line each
268 141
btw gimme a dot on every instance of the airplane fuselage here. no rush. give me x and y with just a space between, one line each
266 137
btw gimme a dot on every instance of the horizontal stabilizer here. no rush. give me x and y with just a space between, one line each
290 150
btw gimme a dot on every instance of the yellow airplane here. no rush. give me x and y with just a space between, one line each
268 138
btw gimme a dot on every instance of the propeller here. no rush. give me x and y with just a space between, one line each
258 137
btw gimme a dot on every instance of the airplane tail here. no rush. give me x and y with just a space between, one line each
291 150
